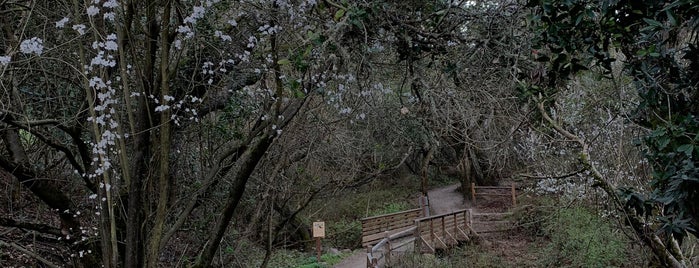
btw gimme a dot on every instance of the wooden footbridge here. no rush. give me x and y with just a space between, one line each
386 236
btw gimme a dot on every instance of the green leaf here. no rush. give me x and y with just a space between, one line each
339 14
659 132
653 23
671 17
663 142
283 61
686 149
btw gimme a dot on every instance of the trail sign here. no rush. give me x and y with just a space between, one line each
319 229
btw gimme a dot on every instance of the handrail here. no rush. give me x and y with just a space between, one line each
443 214
397 235
386 243
512 192
443 229
391 214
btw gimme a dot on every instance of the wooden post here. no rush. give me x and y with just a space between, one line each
387 255
444 233
425 203
318 233
432 232
470 217
514 196
318 249
369 257
417 236
456 226
466 223
473 192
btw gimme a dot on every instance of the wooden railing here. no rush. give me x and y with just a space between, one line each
442 231
494 191
386 247
379 227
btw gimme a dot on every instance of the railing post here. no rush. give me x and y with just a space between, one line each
432 232
387 255
426 208
444 226
473 192
470 217
369 257
456 226
417 236
514 196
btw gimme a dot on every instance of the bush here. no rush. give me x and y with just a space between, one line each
581 238
345 233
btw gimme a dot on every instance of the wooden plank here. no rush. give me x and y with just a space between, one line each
492 222
493 194
373 238
392 214
439 243
386 227
387 223
389 219
428 248
443 215
448 236
404 243
462 233
493 213
493 187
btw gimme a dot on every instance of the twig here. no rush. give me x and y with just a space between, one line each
25 251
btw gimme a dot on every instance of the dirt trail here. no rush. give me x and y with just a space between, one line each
445 199
357 260
442 200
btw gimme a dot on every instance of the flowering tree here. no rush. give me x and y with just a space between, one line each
132 120
655 42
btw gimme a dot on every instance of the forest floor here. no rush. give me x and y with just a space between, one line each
505 247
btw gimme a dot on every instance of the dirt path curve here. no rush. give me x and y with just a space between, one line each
445 199
442 200
357 260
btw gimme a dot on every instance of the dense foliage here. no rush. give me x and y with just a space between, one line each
656 44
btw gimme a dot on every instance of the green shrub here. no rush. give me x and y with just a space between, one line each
390 208
293 258
581 238
345 233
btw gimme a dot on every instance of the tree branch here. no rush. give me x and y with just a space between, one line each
649 237
42 228
25 251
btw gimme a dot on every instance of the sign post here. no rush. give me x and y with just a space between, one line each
318 233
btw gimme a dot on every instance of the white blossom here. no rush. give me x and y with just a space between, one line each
197 13
5 60
61 23
111 45
109 16
162 108
224 37
110 4
33 45
80 28
92 11
184 29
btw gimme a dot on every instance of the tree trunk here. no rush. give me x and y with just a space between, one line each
250 159
424 185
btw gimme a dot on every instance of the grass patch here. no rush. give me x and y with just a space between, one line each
342 212
581 238
293 258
